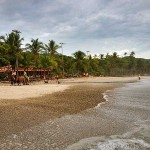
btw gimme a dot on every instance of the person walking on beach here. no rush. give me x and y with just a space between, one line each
139 77
57 79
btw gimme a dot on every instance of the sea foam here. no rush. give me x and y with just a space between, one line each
102 143
105 96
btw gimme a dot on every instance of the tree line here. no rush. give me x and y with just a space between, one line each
37 54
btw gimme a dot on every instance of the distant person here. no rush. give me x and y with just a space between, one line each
45 80
14 75
139 77
57 77
25 74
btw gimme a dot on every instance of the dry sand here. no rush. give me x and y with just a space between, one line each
39 88
22 107
28 91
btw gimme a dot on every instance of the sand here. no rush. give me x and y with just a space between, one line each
39 88
28 91
22 107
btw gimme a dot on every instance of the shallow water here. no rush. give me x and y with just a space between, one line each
122 123
131 105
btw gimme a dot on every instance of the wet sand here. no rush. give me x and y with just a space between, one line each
18 114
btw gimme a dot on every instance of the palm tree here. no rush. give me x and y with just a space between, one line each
14 42
132 54
35 47
26 60
115 55
125 53
79 60
4 58
132 62
51 47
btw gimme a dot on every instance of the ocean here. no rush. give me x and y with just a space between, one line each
120 123
130 105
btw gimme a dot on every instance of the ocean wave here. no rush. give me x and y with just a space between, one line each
111 143
105 96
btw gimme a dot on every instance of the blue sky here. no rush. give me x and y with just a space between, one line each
98 26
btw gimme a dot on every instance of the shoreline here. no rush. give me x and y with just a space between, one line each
37 89
17 115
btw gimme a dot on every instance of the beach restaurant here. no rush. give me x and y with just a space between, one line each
5 69
30 71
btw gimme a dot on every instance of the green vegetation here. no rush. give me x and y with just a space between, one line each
40 55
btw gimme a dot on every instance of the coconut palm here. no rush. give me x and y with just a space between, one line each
51 47
79 61
14 42
132 54
35 47
125 54
4 58
132 62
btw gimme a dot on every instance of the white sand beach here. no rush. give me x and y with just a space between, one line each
28 91
40 89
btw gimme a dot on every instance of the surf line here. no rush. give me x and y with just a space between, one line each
105 96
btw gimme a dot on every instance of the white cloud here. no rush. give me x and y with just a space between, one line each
99 26
44 35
